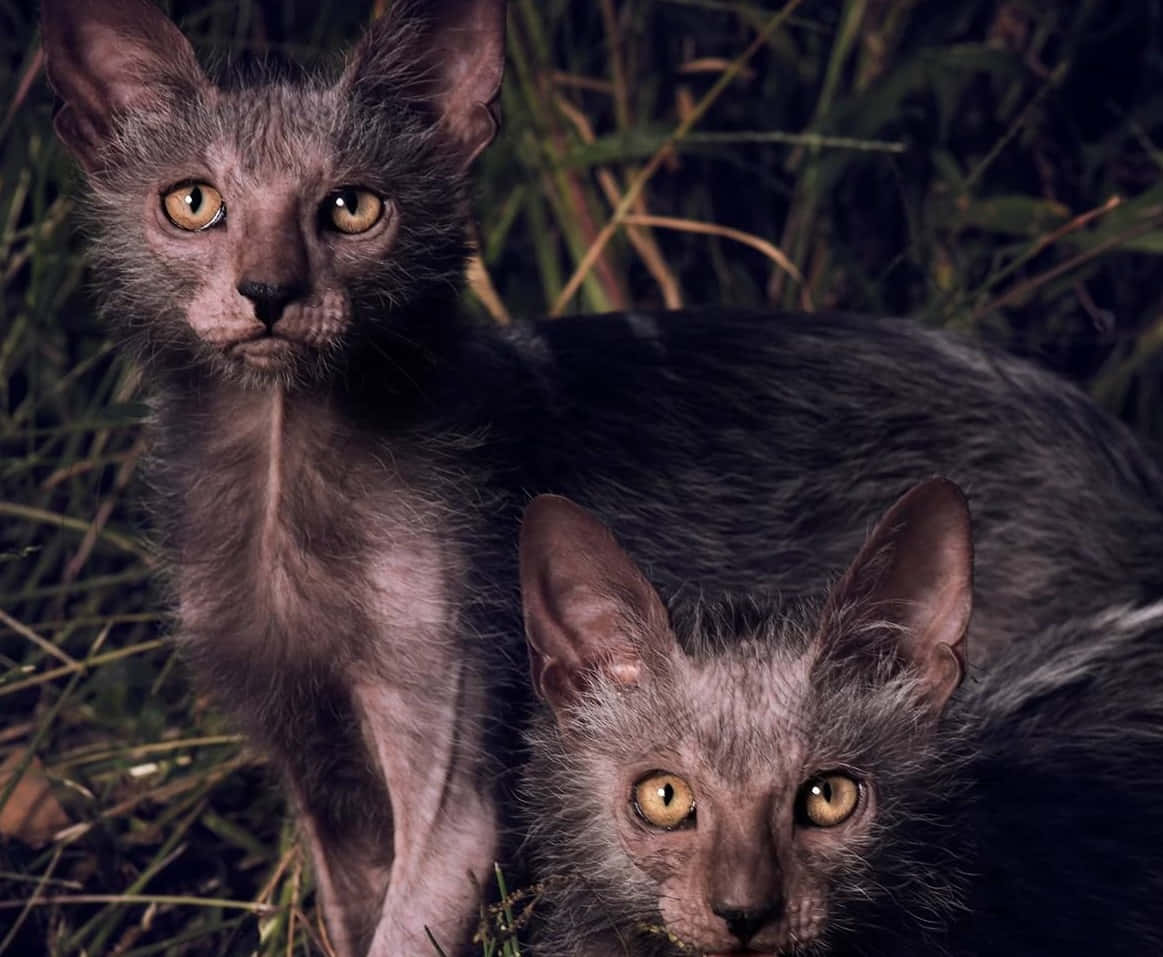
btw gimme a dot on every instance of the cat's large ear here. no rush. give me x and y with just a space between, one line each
450 52
107 56
588 609
915 576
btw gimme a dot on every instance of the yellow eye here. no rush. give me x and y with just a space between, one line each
194 206
828 800
352 210
664 800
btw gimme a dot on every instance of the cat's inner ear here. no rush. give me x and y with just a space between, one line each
450 52
588 609
106 57
914 575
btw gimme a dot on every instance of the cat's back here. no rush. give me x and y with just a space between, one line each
799 397
1068 772
780 436
1104 669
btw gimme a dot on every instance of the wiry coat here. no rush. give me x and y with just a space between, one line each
341 528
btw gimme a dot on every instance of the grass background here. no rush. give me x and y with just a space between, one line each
988 165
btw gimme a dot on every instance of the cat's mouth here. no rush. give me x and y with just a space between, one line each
265 352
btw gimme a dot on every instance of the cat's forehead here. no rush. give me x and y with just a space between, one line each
264 131
748 707
276 127
278 114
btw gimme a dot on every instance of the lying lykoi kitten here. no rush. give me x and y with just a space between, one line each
815 778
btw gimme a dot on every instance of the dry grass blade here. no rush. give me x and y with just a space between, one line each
770 250
42 643
157 795
16 510
95 662
639 183
1023 289
641 239
31 72
175 900
482 287
45 879
104 511
142 750
582 82
1044 242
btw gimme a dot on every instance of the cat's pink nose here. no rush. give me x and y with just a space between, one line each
745 922
270 299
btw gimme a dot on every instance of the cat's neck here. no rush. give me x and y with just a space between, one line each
398 403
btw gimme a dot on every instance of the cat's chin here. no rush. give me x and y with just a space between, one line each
267 361
268 354
800 949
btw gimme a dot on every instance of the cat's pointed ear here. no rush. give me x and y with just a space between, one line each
588 609
451 53
105 57
915 575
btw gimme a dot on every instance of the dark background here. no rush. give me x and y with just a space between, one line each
987 165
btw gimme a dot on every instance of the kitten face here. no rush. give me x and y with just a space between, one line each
723 779
745 812
273 286
266 271
748 866
267 225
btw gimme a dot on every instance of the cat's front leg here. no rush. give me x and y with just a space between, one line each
311 724
301 711
351 876
429 739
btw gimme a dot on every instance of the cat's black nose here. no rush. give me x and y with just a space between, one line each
270 299
745 923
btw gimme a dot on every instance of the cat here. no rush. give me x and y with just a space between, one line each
815 777
341 458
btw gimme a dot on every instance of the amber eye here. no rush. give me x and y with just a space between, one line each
828 800
664 800
352 210
194 206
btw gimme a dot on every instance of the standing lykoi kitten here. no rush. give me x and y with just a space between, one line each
342 459
744 778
